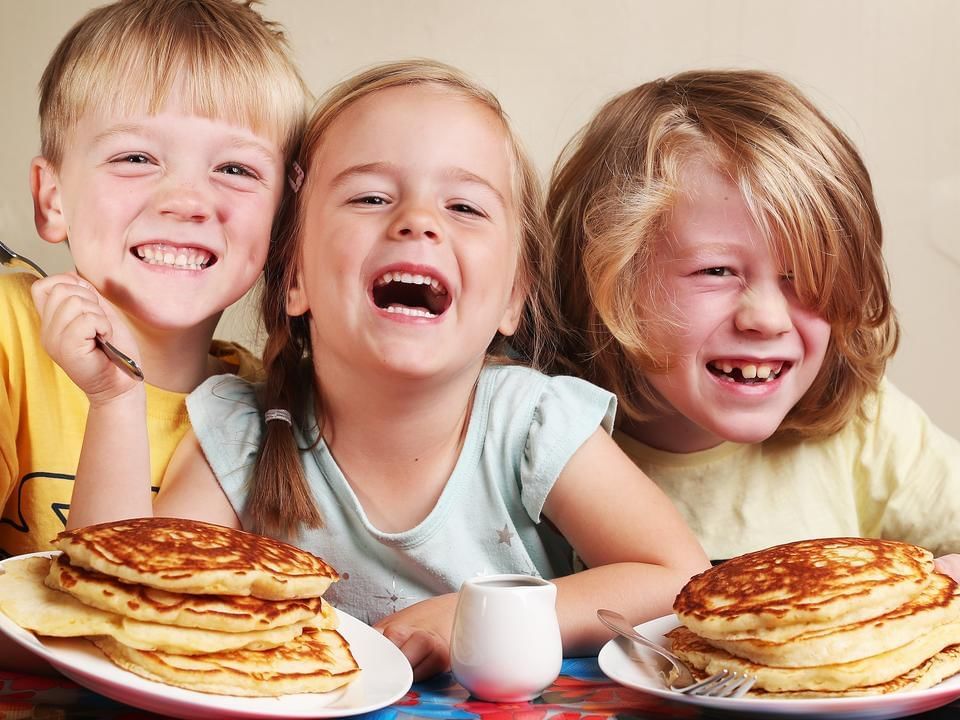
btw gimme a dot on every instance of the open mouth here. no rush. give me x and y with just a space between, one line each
410 294
182 258
747 373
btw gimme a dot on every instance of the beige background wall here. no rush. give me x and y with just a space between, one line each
888 71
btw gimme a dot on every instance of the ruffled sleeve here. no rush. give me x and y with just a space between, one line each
567 412
228 423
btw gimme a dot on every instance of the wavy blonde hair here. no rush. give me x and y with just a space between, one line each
219 57
611 196
280 500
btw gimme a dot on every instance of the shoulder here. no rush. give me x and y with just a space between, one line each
224 401
17 302
527 393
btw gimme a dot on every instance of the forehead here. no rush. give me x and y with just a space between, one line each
421 128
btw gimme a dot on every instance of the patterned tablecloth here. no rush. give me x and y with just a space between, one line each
582 692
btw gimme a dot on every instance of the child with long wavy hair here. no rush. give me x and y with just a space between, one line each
393 437
718 256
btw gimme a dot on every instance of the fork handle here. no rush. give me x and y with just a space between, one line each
121 360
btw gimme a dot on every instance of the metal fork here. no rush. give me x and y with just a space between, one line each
721 684
10 259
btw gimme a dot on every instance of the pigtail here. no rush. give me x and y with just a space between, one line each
280 501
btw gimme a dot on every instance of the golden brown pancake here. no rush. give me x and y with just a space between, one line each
878 670
317 661
188 556
227 613
939 603
45 611
788 590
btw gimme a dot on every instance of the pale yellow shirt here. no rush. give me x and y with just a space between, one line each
42 419
894 475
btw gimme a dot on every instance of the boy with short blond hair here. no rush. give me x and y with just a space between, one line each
166 130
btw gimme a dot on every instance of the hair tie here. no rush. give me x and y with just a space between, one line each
295 178
278 414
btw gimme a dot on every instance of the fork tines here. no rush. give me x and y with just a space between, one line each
721 684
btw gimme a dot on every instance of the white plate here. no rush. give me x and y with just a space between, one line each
616 662
385 678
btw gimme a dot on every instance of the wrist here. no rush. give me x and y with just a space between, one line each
131 400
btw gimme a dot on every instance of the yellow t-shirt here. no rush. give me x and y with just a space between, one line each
43 416
893 475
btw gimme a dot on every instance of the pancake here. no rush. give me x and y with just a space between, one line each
31 604
317 661
939 603
938 668
873 672
188 556
785 591
226 613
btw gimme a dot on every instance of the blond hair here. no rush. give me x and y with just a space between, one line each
280 500
220 59
609 204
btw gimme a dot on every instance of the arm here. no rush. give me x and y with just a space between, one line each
638 549
191 490
640 554
113 472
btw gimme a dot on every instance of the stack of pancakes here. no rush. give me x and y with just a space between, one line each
190 604
823 618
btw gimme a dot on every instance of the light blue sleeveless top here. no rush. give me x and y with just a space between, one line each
523 429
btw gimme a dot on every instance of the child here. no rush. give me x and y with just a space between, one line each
165 128
718 250
424 457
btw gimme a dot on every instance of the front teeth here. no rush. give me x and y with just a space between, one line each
750 371
412 279
186 259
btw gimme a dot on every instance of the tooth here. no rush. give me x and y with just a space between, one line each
406 278
727 368
168 258
749 372
763 371
140 251
181 260
148 253
418 279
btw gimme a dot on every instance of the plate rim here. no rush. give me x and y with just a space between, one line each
655 629
362 638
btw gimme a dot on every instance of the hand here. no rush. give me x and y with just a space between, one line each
422 632
72 314
949 565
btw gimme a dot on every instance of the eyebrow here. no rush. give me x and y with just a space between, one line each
384 168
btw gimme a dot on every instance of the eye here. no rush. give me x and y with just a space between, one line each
237 170
466 209
716 272
133 159
369 200
788 276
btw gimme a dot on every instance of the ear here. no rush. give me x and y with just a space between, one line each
47 207
514 310
297 303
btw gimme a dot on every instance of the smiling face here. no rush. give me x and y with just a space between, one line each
746 350
409 247
167 215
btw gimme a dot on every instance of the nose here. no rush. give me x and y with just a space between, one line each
182 199
414 220
765 310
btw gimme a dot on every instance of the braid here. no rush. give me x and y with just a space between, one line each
280 501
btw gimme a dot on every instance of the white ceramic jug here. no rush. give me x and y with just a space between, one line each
505 645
